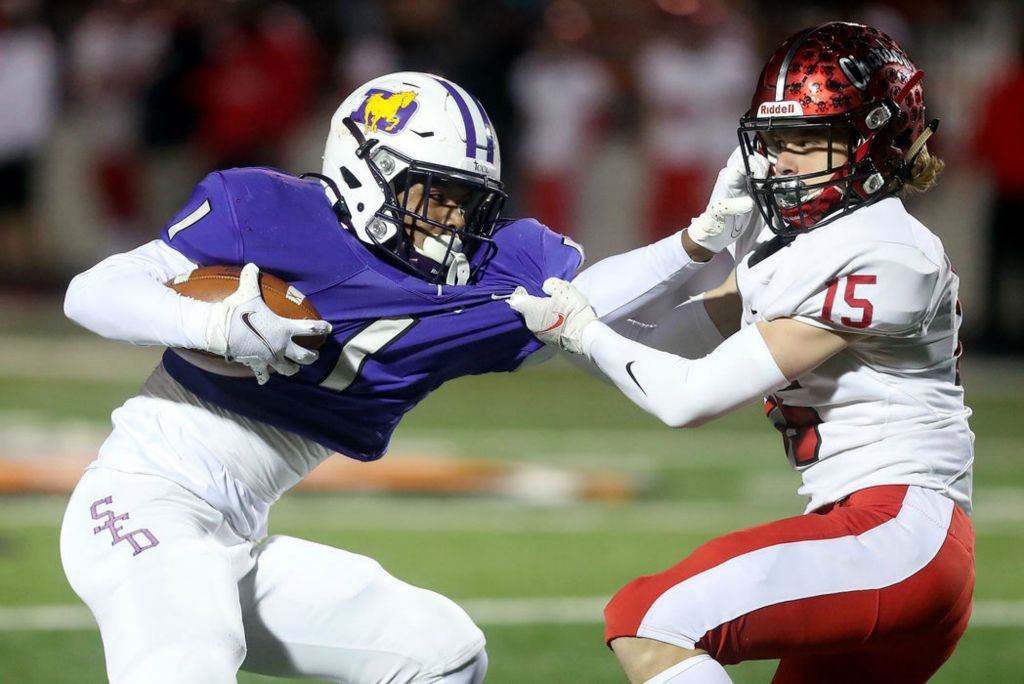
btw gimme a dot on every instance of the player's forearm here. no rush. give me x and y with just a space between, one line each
124 298
680 392
620 285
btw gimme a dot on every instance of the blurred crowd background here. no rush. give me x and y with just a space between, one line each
614 115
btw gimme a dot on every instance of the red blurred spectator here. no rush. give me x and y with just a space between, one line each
256 87
113 56
562 94
999 149
692 75
28 107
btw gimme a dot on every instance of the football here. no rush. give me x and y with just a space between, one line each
215 283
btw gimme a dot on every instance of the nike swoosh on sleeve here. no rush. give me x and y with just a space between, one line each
629 371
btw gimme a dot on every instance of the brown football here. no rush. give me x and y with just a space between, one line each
215 283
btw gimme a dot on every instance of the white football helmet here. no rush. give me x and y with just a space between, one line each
407 128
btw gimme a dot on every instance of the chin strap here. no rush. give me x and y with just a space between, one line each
339 206
906 167
458 270
446 251
364 145
918 145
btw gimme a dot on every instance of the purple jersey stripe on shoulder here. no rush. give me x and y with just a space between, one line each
467 118
488 129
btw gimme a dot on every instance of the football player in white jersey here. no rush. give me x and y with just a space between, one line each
842 316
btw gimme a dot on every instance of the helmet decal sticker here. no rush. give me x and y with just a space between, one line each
386 112
784 108
855 71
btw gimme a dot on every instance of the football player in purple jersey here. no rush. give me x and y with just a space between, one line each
399 245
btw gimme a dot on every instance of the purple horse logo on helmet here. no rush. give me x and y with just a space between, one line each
385 111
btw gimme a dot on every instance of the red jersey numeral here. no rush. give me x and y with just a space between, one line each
851 299
799 428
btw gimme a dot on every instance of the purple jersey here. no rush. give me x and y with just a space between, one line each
395 337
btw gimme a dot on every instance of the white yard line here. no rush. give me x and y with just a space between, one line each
485 611
46 619
998 510
75 357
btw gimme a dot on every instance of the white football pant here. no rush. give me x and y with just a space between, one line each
180 597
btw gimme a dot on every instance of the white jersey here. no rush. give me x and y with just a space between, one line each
888 409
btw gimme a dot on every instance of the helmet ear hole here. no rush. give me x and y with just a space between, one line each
350 179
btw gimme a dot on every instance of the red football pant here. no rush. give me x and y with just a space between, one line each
876 588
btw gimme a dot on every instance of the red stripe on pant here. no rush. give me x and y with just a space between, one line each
902 632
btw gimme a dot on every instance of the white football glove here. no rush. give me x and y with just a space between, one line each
556 320
243 329
730 212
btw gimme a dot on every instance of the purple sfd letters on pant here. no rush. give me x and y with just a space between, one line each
113 523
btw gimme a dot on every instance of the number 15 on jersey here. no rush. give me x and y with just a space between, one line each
859 305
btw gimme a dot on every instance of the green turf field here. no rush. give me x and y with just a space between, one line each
533 575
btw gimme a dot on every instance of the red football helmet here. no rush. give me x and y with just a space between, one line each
857 87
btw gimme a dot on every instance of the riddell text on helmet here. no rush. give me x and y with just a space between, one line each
785 108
